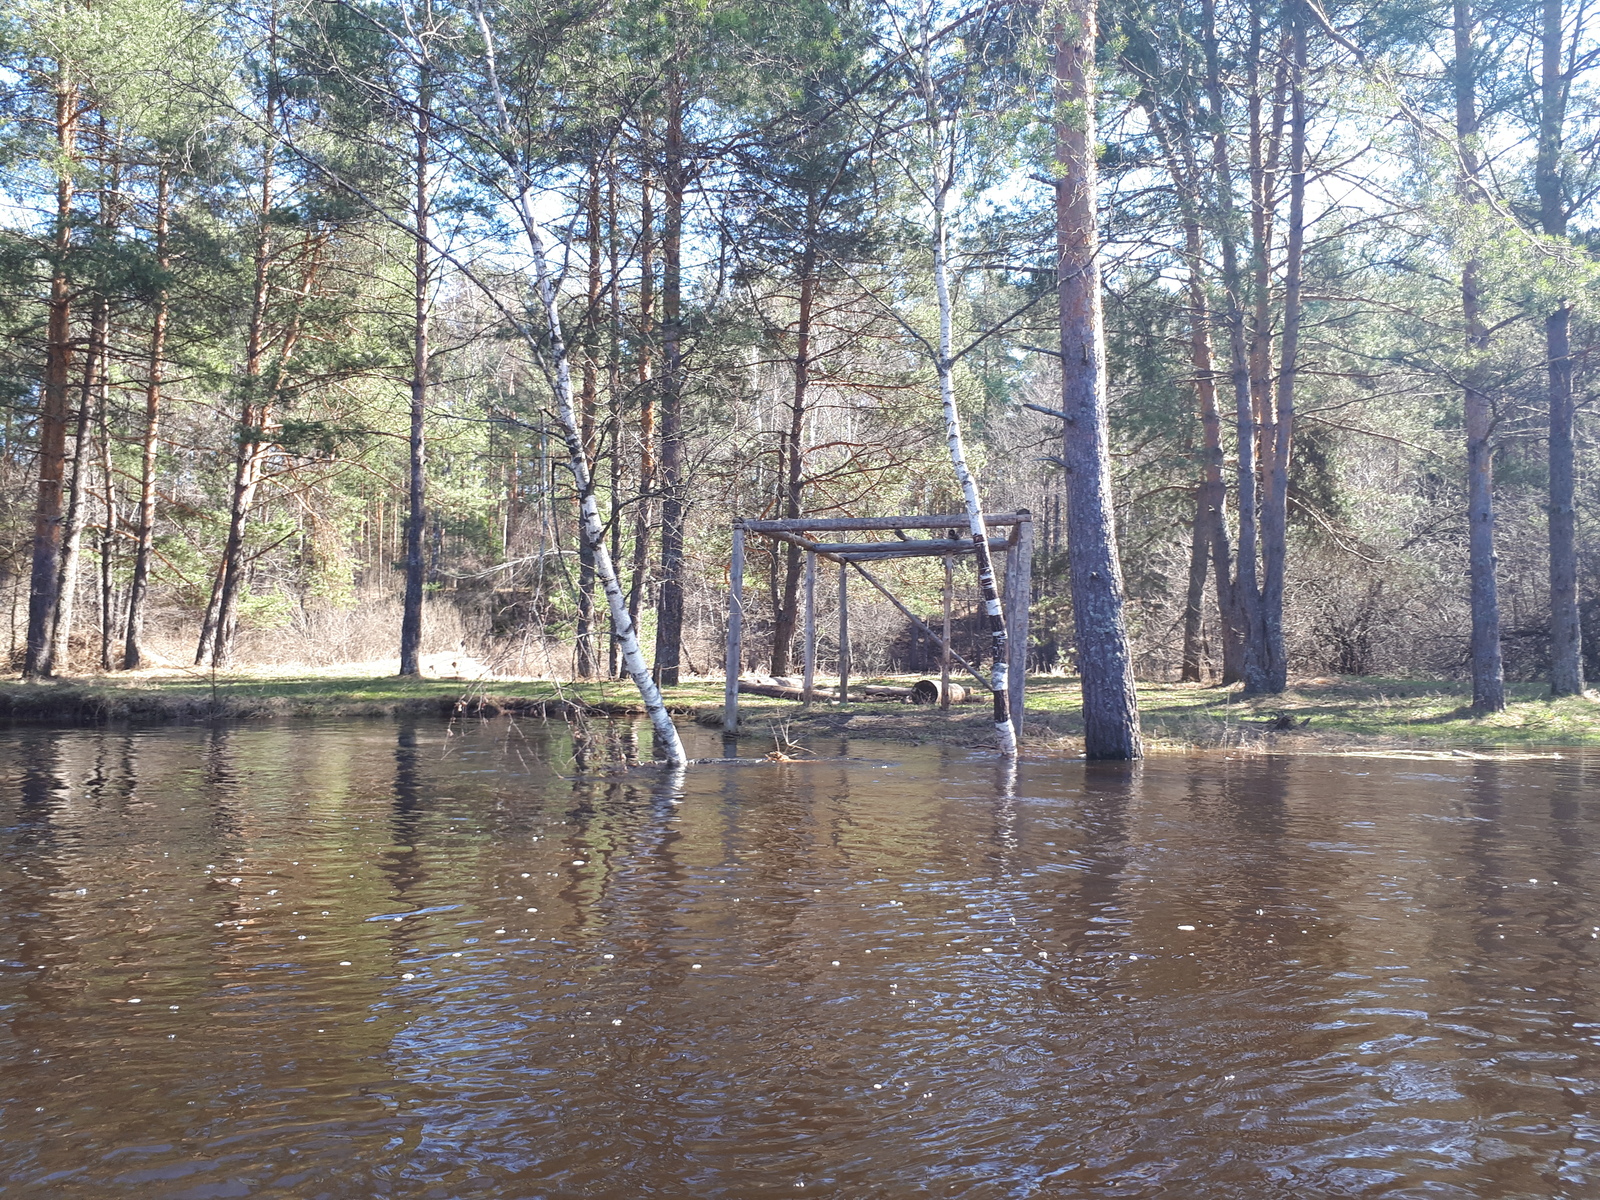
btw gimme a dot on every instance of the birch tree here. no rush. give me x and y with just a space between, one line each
518 189
937 175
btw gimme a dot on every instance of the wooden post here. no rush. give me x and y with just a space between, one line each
730 702
844 632
944 650
1019 571
810 683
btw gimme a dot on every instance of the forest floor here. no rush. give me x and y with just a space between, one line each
1327 714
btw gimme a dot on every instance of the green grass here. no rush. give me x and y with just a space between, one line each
1343 712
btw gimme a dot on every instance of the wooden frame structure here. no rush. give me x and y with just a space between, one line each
853 555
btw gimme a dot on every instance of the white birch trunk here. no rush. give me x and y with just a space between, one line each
667 738
944 179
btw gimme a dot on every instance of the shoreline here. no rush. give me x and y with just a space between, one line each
1328 715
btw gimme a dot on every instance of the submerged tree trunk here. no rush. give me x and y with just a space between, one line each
1488 675
139 587
55 403
1105 666
1566 635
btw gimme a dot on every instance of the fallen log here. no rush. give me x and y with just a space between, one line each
919 693
779 692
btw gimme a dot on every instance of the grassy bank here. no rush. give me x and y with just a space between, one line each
1328 713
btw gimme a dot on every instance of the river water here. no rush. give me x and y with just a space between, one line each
376 960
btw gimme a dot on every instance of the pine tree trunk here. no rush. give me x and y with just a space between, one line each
588 656
1105 666
647 406
1213 497
788 614
614 390
669 601
254 413
108 531
1275 513
1566 634
1246 585
1488 675
208 623
78 498
1211 512
1194 600
139 588
55 403
417 464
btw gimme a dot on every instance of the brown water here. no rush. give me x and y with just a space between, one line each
403 961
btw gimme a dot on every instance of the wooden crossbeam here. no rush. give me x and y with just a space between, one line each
907 549
863 524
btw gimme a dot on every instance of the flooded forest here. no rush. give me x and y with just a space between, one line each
279 385
873 600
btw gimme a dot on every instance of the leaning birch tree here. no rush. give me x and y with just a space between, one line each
938 178
552 353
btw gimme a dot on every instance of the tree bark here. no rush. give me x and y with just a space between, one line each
669 600
216 639
1246 587
1275 513
78 498
588 658
1488 676
417 473
1189 670
108 529
55 405
1566 635
647 405
1211 500
788 614
139 587
1105 666
614 389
